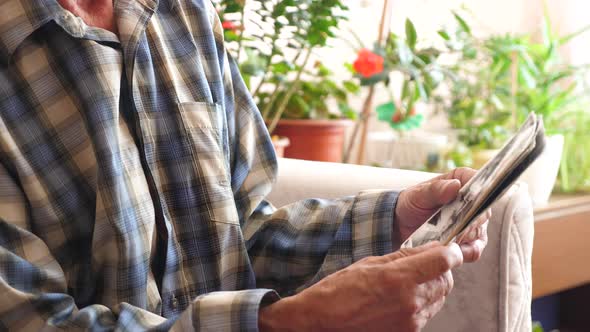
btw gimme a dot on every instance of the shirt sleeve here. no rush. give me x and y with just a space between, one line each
296 245
35 295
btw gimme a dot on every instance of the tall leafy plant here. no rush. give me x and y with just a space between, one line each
275 53
574 171
498 80
402 58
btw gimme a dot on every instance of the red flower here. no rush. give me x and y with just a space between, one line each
368 63
229 25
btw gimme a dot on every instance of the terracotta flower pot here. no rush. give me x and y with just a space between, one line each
319 140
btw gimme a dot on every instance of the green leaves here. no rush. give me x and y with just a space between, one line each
404 53
546 29
420 71
411 36
301 26
567 38
351 87
444 35
498 80
574 172
282 67
464 26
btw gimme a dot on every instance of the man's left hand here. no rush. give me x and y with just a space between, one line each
416 204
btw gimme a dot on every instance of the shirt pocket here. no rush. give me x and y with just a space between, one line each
188 148
206 129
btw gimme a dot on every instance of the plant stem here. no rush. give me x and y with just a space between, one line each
276 92
384 30
359 122
265 75
367 108
268 106
273 52
288 94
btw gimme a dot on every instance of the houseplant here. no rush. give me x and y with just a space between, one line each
410 72
496 81
316 115
574 170
274 43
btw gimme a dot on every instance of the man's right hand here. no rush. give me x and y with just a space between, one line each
400 291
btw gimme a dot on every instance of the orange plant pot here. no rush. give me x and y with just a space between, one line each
318 140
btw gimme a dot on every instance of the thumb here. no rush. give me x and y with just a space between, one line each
436 193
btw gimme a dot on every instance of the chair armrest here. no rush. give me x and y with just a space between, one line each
493 294
300 179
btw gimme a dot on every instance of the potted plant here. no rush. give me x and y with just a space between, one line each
574 170
274 42
410 73
496 81
316 115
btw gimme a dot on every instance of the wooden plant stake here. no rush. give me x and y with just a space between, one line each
384 29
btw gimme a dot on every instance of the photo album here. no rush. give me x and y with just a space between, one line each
458 217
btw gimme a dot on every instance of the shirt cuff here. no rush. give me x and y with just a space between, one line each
373 219
226 311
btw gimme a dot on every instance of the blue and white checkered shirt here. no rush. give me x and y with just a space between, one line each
133 172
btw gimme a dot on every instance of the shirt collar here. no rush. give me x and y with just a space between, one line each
21 19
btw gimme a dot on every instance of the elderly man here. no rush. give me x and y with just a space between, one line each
133 171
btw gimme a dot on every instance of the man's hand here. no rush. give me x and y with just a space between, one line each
416 204
400 291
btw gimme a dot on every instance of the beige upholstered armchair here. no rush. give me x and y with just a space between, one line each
493 294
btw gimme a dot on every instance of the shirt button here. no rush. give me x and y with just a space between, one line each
174 302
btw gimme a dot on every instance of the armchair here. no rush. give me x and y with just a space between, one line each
493 294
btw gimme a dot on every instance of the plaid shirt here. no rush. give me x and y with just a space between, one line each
133 172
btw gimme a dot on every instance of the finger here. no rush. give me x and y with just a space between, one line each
477 230
407 252
473 251
463 174
474 243
433 262
425 315
431 195
436 289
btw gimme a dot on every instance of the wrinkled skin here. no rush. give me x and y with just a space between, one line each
400 291
416 204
